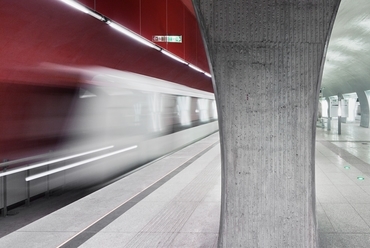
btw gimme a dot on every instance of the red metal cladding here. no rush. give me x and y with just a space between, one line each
51 31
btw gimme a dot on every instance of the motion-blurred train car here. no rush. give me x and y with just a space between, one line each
70 127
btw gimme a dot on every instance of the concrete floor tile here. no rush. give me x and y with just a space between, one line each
205 219
328 240
195 240
364 211
366 189
112 240
135 218
324 224
340 179
345 218
35 240
329 194
354 194
322 179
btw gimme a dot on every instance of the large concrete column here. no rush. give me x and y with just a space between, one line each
266 59
364 105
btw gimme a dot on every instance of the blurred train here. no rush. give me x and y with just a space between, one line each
75 127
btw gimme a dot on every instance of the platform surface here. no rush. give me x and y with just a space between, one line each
175 202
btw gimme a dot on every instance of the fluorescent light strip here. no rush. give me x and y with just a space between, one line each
76 5
46 173
173 56
82 8
196 68
96 15
52 161
132 35
207 74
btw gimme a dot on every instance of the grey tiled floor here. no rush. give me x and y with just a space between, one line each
185 211
343 201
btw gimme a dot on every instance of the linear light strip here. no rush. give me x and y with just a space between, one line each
173 56
132 35
129 33
46 173
196 68
52 161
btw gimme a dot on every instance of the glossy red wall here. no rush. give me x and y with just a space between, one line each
158 17
33 32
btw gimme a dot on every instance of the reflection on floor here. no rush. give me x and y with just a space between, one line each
343 186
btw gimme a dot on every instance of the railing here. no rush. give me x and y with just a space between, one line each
5 172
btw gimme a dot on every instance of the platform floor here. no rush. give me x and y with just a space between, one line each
175 202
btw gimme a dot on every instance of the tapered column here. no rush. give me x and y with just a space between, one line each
266 58
364 105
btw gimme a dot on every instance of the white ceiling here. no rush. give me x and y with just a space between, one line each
347 65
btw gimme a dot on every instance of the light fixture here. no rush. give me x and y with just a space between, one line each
173 56
361 178
196 68
46 173
207 74
132 35
82 8
347 167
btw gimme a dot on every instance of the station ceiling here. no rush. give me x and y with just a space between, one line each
347 64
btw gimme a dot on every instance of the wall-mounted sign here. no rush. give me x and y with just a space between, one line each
168 38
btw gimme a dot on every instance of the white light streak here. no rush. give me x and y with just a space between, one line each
82 8
52 161
196 68
132 35
173 56
46 173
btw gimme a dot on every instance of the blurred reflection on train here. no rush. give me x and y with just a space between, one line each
93 124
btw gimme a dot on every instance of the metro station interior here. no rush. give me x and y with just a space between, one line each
184 123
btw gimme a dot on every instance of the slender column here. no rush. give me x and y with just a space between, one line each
364 105
266 59
329 112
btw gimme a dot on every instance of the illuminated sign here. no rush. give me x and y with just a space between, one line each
168 38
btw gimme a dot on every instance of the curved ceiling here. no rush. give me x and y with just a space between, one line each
347 65
33 32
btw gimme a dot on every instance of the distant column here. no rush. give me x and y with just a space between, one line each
266 59
329 112
364 105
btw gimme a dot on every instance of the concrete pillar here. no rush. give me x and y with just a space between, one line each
364 104
329 112
266 59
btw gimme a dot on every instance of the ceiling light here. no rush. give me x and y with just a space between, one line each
82 8
132 35
196 68
173 56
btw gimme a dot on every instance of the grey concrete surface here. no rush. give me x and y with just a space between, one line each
185 211
267 58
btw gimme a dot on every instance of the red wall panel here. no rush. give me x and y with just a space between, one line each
51 31
125 12
159 17
153 18
176 26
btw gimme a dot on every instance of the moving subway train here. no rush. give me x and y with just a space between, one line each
76 127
